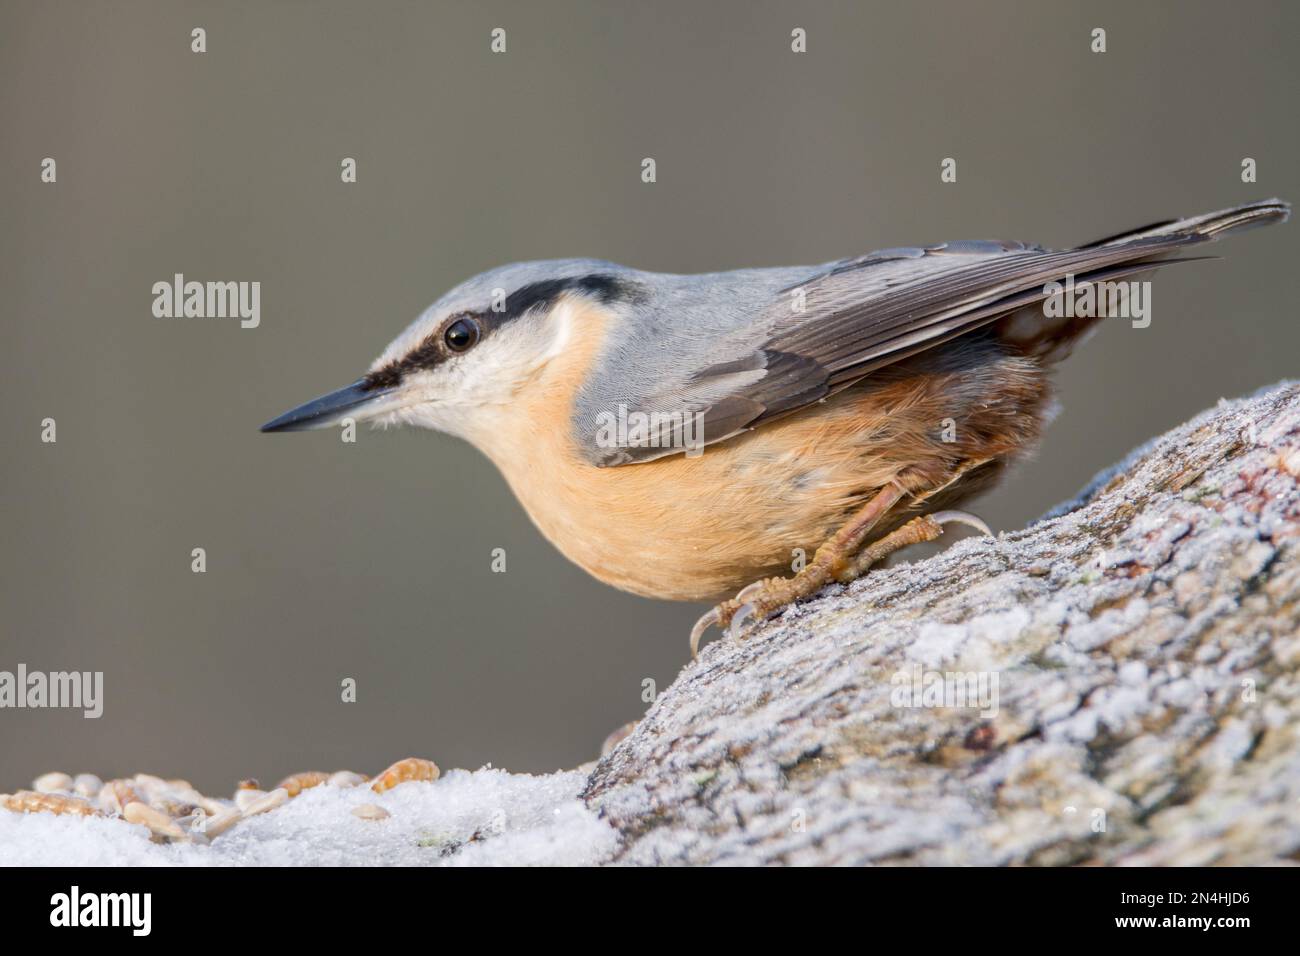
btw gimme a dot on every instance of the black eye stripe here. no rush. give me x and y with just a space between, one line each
435 347
432 351
602 288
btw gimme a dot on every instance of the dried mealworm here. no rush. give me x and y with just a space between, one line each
412 768
29 801
298 782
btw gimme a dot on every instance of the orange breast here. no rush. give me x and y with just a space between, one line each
701 528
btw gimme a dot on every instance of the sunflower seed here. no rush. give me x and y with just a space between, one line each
52 783
155 820
246 798
346 778
87 785
215 826
268 801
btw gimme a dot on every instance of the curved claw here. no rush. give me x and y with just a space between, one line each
703 624
962 517
748 591
742 617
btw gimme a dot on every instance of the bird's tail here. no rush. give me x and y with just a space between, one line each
1131 255
1211 225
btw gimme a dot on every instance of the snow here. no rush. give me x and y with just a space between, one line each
1122 642
483 818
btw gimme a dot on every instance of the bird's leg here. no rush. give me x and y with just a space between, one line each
841 559
829 560
923 528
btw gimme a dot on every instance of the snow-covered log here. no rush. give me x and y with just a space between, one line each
1114 684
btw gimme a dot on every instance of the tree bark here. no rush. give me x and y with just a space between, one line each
1129 668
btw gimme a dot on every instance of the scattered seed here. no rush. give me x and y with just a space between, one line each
269 801
116 794
52 783
29 801
157 821
346 778
182 793
246 798
148 784
87 785
175 810
215 826
215 808
298 782
412 768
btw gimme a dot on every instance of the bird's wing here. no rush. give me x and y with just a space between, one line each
832 329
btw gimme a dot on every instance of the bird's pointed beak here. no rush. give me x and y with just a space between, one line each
354 401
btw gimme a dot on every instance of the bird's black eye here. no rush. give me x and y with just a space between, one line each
461 334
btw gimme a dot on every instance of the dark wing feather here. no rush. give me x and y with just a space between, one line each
840 337
864 313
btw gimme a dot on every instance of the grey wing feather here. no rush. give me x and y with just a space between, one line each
827 331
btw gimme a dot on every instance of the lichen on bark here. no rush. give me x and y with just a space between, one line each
1142 642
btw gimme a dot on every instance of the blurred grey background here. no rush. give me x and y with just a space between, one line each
371 561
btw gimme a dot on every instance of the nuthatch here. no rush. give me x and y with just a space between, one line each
679 436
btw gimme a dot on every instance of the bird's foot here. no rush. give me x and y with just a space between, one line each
762 599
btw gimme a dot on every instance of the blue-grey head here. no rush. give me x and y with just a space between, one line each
473 349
